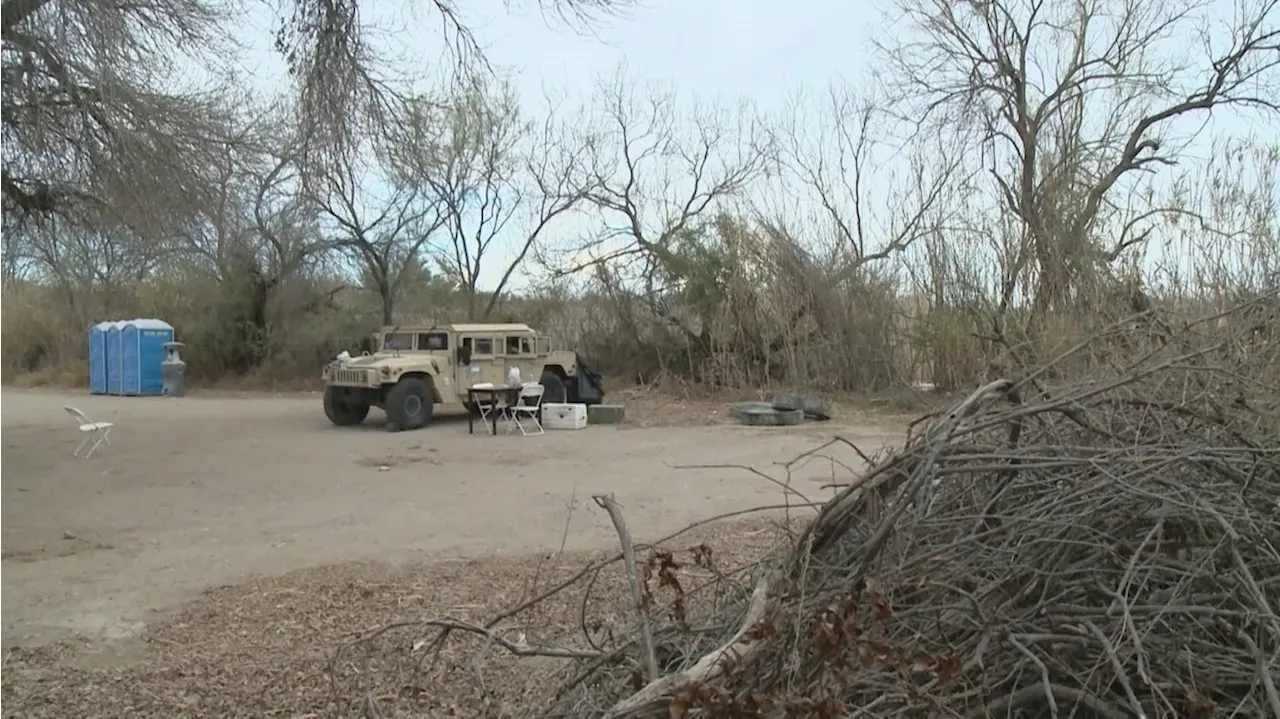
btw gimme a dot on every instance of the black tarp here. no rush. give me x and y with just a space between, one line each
590 384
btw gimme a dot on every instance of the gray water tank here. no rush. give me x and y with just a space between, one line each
173 370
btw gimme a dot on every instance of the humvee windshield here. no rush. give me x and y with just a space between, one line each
426 341
397 341
433 341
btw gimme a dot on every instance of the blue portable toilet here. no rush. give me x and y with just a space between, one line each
113 357
141 354
98 358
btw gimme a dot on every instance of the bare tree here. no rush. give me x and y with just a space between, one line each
497 177
656 173
87 119
254 233
839 161
219 236
102 157
344 91
16 259
384 229
87 129
84 262
1073 103
257 218
287 228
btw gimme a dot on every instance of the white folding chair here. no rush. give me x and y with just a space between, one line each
529 406
97 431
487 408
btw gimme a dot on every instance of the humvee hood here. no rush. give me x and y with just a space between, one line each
402 362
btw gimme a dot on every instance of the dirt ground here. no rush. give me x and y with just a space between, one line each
206 492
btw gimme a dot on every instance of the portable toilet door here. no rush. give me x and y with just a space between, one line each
98 358
143 354
115 365
130 380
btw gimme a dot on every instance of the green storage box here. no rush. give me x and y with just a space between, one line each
605 414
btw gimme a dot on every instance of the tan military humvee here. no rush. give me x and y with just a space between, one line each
416 368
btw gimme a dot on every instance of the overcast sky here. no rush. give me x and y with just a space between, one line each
759 50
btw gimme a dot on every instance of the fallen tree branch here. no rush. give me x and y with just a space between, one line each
1266 674
633 579
452 624
1028 696
654 699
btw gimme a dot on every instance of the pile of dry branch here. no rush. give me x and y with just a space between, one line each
1109 549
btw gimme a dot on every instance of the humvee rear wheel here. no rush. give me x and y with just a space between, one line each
345 407
409 404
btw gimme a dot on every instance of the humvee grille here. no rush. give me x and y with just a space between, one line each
349 377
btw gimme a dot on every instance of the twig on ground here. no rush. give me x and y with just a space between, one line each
594 567
1266 674
1118 668
608 504
564 539
783 484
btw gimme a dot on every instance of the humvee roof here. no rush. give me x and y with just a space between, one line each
464 327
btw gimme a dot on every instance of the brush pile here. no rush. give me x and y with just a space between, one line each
1108 549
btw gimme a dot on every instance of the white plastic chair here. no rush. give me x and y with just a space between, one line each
529 406
97 431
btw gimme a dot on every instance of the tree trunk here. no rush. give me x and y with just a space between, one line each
388 302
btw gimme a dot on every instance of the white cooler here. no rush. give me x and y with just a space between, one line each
556 415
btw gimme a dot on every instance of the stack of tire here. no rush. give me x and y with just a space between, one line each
783 410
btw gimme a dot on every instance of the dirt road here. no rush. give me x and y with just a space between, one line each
202 492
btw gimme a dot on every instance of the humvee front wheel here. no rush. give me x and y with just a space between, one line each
345 407
409 404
